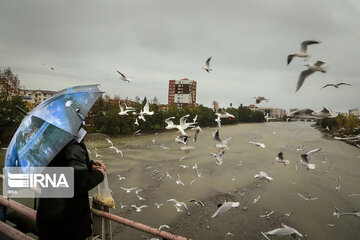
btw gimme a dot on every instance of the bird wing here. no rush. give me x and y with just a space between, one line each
304 158
313 151
146 107
121 74
304 74
344 84
183 121
208 62
290 58
121 108
328 85
319 63
217 138
304 45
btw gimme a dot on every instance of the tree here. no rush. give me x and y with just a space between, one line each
10 98
9 84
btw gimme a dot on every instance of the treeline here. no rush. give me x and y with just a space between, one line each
104 117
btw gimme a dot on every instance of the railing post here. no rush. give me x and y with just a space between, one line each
3 210
101 225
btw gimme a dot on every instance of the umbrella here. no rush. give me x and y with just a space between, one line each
50 126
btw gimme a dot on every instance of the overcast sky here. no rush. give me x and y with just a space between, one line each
159 40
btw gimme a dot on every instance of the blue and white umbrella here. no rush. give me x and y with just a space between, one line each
50 126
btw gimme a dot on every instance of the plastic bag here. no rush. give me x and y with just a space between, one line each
103 196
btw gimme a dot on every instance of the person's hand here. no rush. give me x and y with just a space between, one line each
94 167
101 164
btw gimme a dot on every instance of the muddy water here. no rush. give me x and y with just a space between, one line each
145 165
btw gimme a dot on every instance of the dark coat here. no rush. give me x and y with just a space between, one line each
69 218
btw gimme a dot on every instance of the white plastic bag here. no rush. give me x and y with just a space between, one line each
103 196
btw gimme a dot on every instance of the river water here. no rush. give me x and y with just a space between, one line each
145 165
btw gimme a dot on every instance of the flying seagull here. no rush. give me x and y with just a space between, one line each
123 111
225 207
207 67
259 144
280 159
336 85
305 160
317 67
259 99
263 176
284 230
51 67
123 77
302 53
324 113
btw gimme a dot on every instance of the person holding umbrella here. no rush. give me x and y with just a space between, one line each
51 135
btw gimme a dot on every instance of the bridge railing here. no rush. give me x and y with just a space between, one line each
99 213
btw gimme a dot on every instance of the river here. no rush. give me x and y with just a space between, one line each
145 164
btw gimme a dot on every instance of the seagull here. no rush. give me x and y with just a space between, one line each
182 158
140 198
305 160
284 230
128 190
123 77
310 198
158 205
225 207
177 203
137 132
219 143
138 209
302 52
192 182
207 67
259 99
164 226
51 67
302 113
266 215
109 141
280 159
122 206
220 113
169 176
324 113
136 123
183 166
311 69
256 200
198 203
186 146
145 112
117 151
96 154
183 124
178 181
122 111
121 178
263 176
262 145
349 138
336 85
170 124
178 209
287 214
219 157
198 173
197 131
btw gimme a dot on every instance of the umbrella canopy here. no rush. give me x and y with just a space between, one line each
50 126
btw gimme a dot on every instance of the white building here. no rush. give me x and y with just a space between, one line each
36 96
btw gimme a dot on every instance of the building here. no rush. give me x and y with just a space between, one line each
36 96
273 112
355 112
182 92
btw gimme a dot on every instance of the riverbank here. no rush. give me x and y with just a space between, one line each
342 133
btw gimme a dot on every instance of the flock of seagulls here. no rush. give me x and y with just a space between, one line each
182 138
312 68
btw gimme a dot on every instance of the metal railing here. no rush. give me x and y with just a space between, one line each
31 214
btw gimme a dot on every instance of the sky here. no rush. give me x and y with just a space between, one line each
158 40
